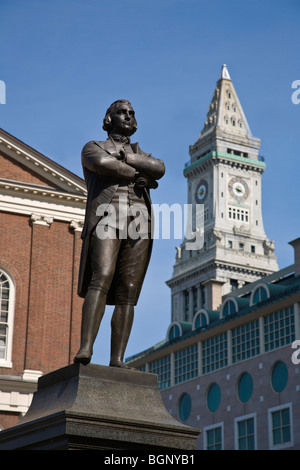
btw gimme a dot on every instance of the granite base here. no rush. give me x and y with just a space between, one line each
98 407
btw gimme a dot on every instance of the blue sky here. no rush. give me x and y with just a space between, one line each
65 61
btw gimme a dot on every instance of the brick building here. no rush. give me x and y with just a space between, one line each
226 364
231 372
42 209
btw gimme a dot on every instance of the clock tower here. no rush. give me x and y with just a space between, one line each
224 175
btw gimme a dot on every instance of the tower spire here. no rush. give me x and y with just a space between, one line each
225 73
225 112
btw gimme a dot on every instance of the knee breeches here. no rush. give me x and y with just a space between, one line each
121 262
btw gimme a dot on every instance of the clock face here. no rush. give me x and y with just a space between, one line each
201 191
238 188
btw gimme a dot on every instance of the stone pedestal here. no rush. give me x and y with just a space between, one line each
98 407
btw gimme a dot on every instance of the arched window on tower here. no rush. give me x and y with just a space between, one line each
7 305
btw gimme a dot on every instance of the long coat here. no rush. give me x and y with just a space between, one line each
103 172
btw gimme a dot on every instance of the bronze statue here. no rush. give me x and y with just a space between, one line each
113 264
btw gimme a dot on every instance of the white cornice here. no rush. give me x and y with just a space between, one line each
60 210
40 219
41 165
38 191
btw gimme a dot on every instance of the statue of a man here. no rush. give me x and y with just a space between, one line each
113 264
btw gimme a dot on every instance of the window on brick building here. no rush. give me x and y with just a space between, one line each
174 332
162 367
213 437
259 294
245 438
213 398
279 376
279 329
280 427
245 387
7 293
200 320
245 341
214 353
229 306
185 406
186 364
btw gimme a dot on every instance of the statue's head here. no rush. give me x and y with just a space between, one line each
120 119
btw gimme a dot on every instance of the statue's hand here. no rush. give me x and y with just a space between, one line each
121 155
145 181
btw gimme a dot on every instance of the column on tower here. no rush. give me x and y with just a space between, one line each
191 304
199 297
214 293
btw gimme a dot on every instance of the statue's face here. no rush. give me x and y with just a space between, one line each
123 120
